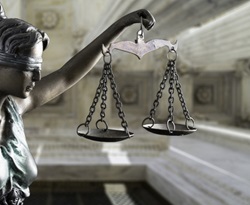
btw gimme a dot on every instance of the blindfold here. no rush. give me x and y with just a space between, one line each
20 62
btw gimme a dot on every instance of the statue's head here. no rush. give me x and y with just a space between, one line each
21 48
18 42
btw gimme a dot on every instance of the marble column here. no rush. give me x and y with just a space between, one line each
243 73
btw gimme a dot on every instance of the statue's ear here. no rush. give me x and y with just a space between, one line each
2 13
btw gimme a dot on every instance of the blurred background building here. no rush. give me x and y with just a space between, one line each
211 166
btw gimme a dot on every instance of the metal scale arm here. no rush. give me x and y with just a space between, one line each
140 47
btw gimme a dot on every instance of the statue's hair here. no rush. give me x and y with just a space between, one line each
16 34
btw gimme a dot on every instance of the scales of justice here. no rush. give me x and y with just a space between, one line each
21 47
138 48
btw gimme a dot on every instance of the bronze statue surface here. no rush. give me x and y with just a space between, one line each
22 89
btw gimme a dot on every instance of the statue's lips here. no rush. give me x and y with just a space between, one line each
30 87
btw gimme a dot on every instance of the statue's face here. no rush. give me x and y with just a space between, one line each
20 79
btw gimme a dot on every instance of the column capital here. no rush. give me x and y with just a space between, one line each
242 67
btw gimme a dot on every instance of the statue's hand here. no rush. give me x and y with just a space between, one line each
147 18
143 15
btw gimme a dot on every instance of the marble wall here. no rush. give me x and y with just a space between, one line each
208 64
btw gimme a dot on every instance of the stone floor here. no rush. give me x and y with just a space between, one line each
225 149
213 162
83 193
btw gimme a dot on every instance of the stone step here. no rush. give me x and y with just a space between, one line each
226 136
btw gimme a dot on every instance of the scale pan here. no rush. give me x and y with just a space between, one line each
161 129
103 135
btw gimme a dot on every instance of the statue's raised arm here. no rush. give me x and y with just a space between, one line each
47 88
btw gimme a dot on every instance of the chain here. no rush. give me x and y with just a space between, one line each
171 90
179 90
104 92
172 56
159 94
170 73
116 96
101 89
181 98
95 101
